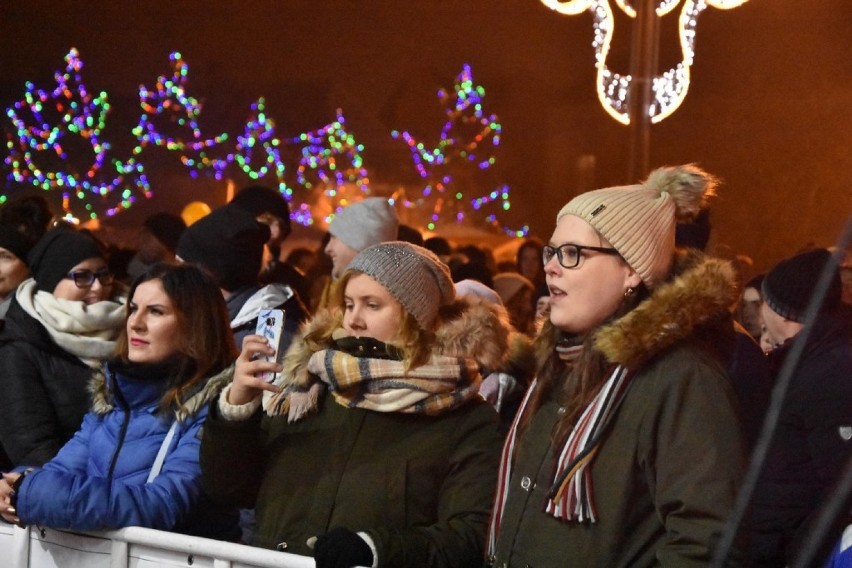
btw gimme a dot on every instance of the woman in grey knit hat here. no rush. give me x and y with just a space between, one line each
627 450
375 449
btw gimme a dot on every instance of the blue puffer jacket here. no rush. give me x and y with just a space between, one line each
98 479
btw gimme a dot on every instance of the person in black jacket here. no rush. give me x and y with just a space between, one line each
813 438
61 322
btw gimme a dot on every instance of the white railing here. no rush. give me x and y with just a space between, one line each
132 547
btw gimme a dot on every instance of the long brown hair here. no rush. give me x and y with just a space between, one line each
577 384
205 340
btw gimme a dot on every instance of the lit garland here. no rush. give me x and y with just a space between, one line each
170 101
469 136
671 86
60 122
331 159
257 150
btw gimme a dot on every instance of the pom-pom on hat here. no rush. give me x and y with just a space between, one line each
365 223
229 243
15 242
639 220
788 287
414 276
57 252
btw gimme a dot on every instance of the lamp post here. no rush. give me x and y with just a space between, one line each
644 55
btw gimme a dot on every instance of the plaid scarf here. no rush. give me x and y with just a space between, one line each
381 385
570 497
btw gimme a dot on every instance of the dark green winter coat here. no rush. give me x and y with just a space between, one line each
420 486
666 474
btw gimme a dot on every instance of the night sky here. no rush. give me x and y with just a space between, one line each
768 110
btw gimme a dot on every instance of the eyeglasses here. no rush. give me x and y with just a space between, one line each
85 278
569 255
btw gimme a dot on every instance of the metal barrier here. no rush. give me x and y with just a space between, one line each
132 547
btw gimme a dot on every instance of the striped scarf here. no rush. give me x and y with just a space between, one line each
570 497
383 385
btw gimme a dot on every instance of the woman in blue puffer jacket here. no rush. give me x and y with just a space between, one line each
135 460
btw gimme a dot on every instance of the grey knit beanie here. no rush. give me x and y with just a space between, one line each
365 223
413 275
639 220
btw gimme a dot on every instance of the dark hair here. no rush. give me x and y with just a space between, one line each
438 245
30 214
206 343
532 242
409 234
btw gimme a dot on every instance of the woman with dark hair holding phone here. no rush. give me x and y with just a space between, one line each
61 323
134 461
375 449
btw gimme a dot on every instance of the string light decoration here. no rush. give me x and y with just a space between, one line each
330 169
256 152
60 129
168 107
670 87
466 147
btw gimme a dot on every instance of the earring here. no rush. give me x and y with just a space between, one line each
629 292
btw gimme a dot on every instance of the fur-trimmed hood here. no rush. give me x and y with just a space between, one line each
701 291
102 396
470 327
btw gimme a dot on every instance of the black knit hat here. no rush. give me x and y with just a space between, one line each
788 287
15 241
166 227
229 243
259 199
57 252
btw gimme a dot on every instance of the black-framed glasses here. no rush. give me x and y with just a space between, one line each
85 278
569 255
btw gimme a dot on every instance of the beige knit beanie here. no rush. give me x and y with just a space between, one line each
639 220
413 275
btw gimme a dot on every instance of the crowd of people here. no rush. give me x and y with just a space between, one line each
596 400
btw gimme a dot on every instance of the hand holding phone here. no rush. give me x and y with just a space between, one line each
270 324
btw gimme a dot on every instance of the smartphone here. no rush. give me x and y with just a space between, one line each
270 324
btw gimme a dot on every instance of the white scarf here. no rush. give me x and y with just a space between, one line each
86 331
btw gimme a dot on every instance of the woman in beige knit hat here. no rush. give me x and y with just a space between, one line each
375 449
627 450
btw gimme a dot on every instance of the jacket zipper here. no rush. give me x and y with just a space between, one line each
123 432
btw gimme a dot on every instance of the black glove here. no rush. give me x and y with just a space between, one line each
342 548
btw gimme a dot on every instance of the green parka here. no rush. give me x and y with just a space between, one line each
666 473
420 486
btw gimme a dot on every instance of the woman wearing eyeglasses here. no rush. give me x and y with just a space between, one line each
627 450
61 323
135 459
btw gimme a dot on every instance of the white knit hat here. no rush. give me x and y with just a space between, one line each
365 223
639 220
413 275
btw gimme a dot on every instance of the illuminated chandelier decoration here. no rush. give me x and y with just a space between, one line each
670 87
58 146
